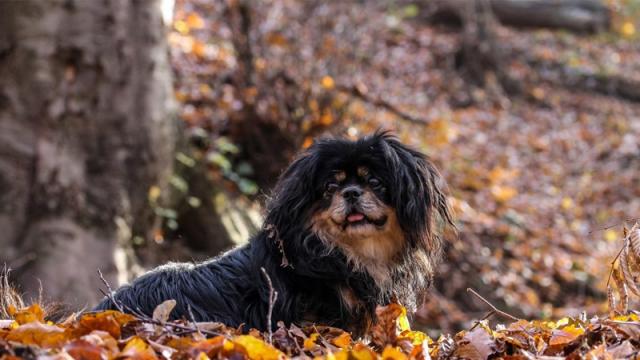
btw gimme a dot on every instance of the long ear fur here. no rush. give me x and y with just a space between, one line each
292 194
419 191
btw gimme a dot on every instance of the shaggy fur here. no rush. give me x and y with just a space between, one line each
350 226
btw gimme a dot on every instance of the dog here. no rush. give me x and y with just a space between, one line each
351 225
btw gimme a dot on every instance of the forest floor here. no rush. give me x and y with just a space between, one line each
543 179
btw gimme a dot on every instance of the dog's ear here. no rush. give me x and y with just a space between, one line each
293 193
419 192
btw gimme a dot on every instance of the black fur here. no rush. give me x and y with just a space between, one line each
305 272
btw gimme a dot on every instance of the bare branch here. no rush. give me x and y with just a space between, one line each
273 296
495 309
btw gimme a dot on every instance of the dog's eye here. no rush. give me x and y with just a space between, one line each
331 187
373 182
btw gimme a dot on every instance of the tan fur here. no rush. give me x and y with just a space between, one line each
363 171
369 247
340 176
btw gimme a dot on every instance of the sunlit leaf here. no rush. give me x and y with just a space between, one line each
327 82
258 349
36 333
503 193
194 21
343 340
28 314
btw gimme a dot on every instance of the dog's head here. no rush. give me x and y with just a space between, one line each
374 200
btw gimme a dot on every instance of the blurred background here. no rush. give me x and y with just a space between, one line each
137 132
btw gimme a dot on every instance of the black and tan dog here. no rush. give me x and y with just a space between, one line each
350 226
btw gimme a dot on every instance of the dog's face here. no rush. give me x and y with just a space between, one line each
374 199
355 212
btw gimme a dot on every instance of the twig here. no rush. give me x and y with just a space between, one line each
624 245
614 225
477 322
357 93
624 322
273 296
193 320
109 292
495 309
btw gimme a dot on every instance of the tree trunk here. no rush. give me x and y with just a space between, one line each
85 132
572 15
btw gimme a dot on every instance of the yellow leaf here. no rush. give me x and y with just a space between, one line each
258 349
310 342
154 193
628 29
202 356
503 193
327 82
611 235
416 337
403 321
181 27
392 353
137 348
567 203
565 335
630 317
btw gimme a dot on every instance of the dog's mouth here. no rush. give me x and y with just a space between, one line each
357 219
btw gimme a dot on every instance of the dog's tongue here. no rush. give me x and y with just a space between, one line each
355 217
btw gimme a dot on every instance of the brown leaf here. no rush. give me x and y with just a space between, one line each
109 321
476 345
82 349
385 331
163 311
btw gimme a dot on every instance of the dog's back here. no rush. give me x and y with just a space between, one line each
221 289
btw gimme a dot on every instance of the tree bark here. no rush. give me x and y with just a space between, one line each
572 15
85 131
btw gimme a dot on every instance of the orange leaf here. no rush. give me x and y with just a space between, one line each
392 353
36 333
110 321
343 340
566 335
27 315
310 342
194 21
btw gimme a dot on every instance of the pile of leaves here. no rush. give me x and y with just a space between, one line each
114 335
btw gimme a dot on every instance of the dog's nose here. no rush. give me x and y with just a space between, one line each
351 193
